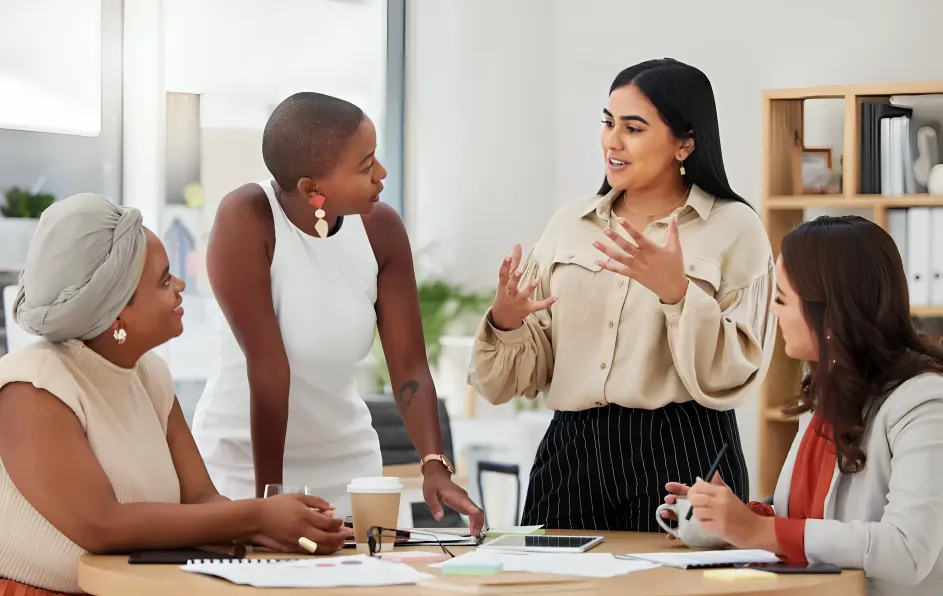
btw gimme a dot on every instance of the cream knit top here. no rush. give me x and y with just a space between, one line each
124 414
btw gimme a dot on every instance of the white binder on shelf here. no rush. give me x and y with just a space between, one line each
897 228
936 256
919 270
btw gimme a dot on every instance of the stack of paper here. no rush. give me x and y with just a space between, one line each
704 559
327 572
599 565
516 530
428 537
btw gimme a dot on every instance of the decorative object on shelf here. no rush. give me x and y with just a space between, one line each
927 155
817 175
935 180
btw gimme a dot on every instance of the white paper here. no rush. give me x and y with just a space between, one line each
425 536
321 572
705 558
517 530
598 565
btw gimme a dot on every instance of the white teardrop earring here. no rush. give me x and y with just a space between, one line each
120 334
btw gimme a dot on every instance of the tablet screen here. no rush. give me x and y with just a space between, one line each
543 542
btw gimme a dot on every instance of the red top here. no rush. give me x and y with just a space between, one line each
811 479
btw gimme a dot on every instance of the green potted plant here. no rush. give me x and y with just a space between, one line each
445 308
19 215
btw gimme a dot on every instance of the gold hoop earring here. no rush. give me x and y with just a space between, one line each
120 335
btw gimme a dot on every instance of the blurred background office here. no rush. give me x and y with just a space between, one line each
487 114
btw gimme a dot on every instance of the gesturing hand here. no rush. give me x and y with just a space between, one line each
512 304
658 268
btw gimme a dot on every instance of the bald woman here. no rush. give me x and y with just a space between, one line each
307 266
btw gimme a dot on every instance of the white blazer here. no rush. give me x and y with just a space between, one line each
888 518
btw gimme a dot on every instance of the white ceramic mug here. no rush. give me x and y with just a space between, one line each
689 530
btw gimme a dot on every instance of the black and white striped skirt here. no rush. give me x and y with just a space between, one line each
606 468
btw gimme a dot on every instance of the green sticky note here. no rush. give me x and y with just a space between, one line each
458 568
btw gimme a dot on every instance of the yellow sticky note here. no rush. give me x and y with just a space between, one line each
736 575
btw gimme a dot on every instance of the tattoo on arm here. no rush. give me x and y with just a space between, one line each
407 392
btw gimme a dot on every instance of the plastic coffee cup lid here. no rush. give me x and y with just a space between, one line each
376 484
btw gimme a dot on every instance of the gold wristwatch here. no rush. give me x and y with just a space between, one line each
436 457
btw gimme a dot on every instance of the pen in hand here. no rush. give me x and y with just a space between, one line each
710 474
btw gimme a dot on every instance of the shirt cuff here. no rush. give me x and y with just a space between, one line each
761 508
673 311
790 533
511 336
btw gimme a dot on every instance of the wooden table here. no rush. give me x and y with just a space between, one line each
113 576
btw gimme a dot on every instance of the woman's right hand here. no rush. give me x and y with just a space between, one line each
512 304
284 519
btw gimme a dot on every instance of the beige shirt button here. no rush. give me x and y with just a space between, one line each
600 404
611 324
621 282
691 268
602 366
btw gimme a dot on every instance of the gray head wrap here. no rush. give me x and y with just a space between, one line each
83 266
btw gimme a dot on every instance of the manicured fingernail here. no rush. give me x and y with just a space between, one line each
596 244
621 220
507 259
438 517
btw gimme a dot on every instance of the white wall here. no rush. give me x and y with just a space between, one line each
503 99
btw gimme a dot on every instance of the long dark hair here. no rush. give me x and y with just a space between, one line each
684 98
850 279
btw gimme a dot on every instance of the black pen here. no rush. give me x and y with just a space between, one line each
710 474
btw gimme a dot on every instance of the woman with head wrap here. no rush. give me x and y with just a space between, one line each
95 454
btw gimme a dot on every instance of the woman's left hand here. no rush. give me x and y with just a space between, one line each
658 268
722 513
438 488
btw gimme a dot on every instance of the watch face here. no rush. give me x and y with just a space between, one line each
448 464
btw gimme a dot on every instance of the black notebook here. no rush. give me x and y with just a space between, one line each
182 556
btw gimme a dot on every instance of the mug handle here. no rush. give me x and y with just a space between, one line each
661 521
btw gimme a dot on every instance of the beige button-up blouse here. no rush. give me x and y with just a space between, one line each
608 339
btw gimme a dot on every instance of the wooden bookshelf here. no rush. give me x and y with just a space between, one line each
784 206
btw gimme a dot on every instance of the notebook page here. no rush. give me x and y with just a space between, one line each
322 572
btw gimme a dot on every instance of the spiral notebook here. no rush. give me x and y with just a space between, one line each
705 559
313 572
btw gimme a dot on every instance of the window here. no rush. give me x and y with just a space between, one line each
51 66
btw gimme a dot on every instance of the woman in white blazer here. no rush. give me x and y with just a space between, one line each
862 486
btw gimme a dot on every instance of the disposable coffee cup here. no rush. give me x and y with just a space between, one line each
374 502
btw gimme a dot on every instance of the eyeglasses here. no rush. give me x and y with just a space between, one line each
375 539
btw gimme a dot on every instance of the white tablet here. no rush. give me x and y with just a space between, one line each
542 544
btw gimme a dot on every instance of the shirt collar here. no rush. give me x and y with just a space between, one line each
700 201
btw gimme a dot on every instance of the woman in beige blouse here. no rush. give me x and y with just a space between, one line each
642 315
95 454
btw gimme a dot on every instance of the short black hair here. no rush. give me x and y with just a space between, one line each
305 135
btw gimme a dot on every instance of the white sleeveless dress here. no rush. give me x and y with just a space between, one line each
324 291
